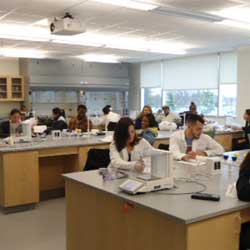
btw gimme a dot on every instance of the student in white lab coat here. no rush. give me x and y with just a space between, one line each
109 117
169 116
191 142
126 150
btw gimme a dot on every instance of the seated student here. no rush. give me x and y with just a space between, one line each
149 132
191 142
81 121
169 116
192 110
14 118
146 110
109 117
243 192
126 149
243 143
24 112
59 122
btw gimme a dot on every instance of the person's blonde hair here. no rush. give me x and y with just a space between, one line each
145 106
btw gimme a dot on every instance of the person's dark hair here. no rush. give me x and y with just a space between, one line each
121 133
247 111
23 107
192 104
151 120
63 113
193 118
56 111
106 109
81 106
165 107
246 163
15 111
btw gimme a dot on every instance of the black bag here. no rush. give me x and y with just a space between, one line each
97 158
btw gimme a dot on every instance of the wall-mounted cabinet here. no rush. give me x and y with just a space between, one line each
3 88
11 88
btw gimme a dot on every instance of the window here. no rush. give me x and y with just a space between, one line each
179 100
96 100
208 80
228 99
152 97
44 101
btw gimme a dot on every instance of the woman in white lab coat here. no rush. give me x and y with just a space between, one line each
126 150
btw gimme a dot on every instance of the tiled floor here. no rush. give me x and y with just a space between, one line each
40 229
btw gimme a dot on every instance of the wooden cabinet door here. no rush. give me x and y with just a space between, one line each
16 88
4 88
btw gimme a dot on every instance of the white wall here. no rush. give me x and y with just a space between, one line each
8 66
244 81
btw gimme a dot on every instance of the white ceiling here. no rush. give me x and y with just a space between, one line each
200 36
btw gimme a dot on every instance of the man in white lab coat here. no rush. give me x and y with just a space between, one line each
191 142
109 117
169 116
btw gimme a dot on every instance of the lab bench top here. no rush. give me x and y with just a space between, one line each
48 142
181 208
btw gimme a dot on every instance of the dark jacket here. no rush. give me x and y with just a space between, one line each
247 130
243 185
5 129
57 125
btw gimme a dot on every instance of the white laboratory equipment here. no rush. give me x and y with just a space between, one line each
160 177
26 131
199 166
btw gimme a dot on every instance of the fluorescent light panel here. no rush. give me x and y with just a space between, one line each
22 53
235 24
81 42
42 22
237 17
239 13
99 58
132 4
32 33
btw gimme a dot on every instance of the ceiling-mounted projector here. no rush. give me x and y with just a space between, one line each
67 26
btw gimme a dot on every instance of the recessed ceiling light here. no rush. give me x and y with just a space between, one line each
132 4
103 58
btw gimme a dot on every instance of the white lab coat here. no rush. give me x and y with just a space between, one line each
61 118
205 143
171 117
110 117
119 160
